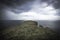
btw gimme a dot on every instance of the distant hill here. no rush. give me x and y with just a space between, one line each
28 30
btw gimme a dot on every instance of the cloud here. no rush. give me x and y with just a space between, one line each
56 3
32 11
14 5
30 16
24 5
36 13
14 2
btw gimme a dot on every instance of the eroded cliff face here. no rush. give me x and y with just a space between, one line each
28 30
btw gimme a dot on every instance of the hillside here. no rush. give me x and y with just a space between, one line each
28 30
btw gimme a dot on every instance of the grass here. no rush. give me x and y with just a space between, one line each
28 30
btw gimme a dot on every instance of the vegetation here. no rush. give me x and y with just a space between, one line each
29 30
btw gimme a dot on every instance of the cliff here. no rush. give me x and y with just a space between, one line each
28 30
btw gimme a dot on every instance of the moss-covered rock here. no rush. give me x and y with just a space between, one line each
28 30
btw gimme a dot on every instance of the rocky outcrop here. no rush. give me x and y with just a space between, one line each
28 30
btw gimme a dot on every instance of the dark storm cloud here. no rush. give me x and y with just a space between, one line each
20 8
12 3
55 3
23 8
16 6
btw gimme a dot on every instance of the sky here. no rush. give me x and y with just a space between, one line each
30 9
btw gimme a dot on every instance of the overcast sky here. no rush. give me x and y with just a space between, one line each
30 9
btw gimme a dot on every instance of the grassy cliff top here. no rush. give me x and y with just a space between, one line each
28 30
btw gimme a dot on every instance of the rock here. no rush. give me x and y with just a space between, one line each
28 30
